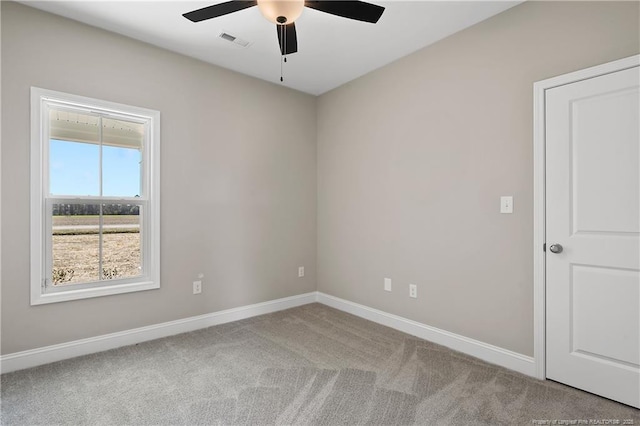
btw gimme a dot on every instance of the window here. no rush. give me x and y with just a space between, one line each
95 224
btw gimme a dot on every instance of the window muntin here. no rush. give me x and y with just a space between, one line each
97 211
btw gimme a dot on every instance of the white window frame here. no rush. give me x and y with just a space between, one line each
41 222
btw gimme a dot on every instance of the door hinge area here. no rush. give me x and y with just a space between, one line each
44 284
544 247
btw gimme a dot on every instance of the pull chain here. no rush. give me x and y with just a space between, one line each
283 49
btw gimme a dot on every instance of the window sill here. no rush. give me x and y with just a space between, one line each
40 298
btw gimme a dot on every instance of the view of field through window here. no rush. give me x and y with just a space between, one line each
76 243
91 157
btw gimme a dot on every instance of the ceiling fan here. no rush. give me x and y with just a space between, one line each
283 13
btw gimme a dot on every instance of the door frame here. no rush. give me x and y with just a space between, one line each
539 195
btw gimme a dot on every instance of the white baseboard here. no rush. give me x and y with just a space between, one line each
48 354
490 353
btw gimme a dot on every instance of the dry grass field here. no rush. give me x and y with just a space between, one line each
94 220
77 250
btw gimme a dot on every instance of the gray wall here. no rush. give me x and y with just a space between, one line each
238 194
412 160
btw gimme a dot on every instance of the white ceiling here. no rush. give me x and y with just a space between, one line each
331 50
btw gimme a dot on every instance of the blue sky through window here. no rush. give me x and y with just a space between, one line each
74 169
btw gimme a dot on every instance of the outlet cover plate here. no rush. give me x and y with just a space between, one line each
506 204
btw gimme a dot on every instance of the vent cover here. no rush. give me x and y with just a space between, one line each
233 39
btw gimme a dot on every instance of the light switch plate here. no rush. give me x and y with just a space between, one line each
506 204
387 284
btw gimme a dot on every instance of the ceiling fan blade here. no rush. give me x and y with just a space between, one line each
218 10
359 10
287 38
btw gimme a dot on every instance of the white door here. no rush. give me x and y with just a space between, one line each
593 216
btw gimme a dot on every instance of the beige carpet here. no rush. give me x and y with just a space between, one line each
307 365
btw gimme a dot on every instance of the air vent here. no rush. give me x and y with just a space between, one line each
227 37
233 39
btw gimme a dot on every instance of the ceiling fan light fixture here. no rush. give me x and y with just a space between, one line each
281 11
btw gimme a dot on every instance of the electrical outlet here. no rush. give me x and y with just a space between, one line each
413 291
197 287
300 271
387 284
506 204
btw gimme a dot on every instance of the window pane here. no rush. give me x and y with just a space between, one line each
121 171
121 156
74 168
121 254
76 126
75 243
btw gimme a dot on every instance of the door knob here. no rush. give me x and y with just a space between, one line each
555 248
